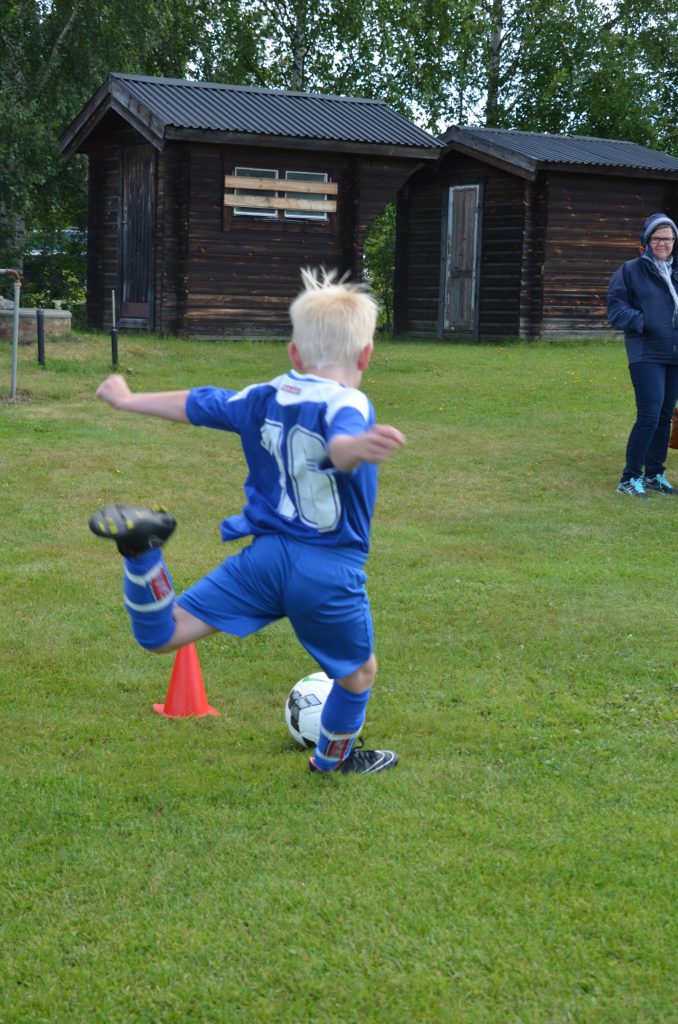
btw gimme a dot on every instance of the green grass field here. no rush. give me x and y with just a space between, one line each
518 867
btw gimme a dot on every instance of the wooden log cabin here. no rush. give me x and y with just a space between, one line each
205 199
516 234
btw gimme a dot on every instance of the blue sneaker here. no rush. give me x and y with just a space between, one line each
658 483
633 487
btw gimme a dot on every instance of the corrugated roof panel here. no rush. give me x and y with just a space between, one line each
565 149
212 106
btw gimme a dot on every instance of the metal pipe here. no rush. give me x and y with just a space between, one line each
40 315
114 334
15 327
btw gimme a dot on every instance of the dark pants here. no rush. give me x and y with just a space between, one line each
656 388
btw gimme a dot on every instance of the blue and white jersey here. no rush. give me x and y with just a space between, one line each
292 488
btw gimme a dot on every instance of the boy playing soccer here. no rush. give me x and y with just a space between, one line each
312 448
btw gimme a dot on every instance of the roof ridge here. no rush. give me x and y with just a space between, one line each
548 135
268 90
534 149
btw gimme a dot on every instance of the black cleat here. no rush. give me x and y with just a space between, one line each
134 530
361 762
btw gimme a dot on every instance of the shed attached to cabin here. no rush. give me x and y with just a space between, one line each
516 234
206 199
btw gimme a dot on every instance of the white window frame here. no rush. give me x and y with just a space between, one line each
306 214
255 172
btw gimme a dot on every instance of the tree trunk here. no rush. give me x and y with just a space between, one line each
494 64
299 45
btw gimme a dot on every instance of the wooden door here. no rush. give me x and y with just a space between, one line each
135 277
460 274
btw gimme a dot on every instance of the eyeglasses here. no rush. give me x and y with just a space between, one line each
662 241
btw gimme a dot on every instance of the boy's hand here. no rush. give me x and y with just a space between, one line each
114 390
376 445
166 405
380 442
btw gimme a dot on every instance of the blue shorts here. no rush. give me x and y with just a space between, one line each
320 590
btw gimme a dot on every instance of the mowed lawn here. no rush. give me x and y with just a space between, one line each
518 867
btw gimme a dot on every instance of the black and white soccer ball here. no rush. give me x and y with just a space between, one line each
304 707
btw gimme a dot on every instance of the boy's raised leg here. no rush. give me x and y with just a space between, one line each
148 592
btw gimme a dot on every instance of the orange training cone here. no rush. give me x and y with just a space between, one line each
186 692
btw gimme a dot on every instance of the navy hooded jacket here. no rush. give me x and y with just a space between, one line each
640 303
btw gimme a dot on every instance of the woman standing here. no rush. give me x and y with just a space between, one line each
642 301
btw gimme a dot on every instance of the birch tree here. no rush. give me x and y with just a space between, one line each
53 55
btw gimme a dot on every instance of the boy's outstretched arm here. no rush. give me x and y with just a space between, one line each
167 405
376 445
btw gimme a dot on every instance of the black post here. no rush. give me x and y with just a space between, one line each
114 334
40 313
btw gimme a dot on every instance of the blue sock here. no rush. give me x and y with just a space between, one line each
148 594
342 719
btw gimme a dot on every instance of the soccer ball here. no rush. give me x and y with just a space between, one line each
304 706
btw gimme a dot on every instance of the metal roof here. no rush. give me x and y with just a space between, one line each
533 150
173 108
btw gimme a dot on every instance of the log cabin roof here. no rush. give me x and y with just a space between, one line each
164 108
526 153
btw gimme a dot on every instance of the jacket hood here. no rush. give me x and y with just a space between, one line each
654 221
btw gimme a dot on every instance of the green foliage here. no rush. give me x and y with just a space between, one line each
54 268
518 865
379 251
559 66
45 81
578 66
584 68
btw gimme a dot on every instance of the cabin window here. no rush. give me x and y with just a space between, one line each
296 195
307 197
259 207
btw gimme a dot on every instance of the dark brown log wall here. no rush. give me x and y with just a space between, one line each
532 258
549 246
243 271
216 274
420 241
103 218
594 225
418 250
171 242
102 234
503 222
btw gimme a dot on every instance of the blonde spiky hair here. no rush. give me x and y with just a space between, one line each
332 320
